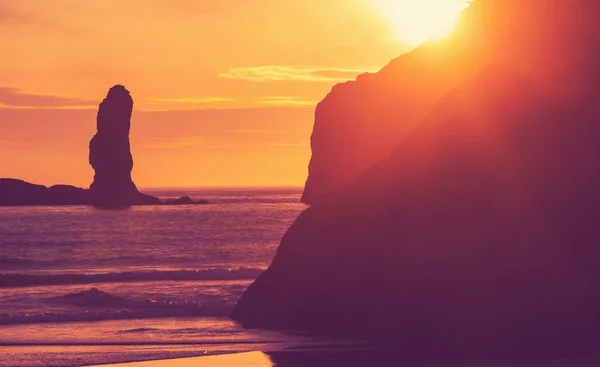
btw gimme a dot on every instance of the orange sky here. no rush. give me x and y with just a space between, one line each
224 90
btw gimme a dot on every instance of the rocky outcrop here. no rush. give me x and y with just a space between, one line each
20 193
15 192
185 200
110 154
360 122
476 237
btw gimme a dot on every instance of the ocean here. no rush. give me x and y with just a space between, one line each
81 286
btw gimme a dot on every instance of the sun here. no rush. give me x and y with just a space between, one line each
417 21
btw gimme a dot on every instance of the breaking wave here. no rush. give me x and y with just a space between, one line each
97 305
26 280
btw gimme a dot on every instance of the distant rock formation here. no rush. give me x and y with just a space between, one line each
476 237
110 154
185 200
20 193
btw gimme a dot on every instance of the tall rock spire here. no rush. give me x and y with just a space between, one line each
110 153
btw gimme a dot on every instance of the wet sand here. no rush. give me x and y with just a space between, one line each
334 358
251 359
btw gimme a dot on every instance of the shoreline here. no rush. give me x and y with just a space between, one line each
243 359
330 358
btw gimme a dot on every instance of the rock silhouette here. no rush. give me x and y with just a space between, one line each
19 193
185 200
110 154
360 122
476 237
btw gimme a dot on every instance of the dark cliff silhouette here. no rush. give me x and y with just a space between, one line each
110 156
476 238
360 122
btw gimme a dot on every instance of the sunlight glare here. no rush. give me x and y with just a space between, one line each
416 21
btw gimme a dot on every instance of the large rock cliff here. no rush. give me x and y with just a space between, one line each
476 238
360 122
110 154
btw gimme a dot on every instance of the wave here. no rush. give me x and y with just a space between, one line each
193 331
14 261
27 280
122 261
97 305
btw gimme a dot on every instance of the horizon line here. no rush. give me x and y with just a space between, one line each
221 187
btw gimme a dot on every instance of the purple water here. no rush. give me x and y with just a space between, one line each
108 286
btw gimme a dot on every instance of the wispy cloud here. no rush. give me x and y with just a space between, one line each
22 13
257 131
285 101
195 7
190 141
292 73
9 15
15 98
290 144
193 100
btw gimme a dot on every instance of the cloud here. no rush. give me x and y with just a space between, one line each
12 13
282 101
257 131
193 100
292 73
281 145
8 15
190 141
12 97
187 7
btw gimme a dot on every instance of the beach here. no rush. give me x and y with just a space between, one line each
329 359
250 359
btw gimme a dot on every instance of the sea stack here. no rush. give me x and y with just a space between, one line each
110 154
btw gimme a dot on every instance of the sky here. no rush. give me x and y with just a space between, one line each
224 91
